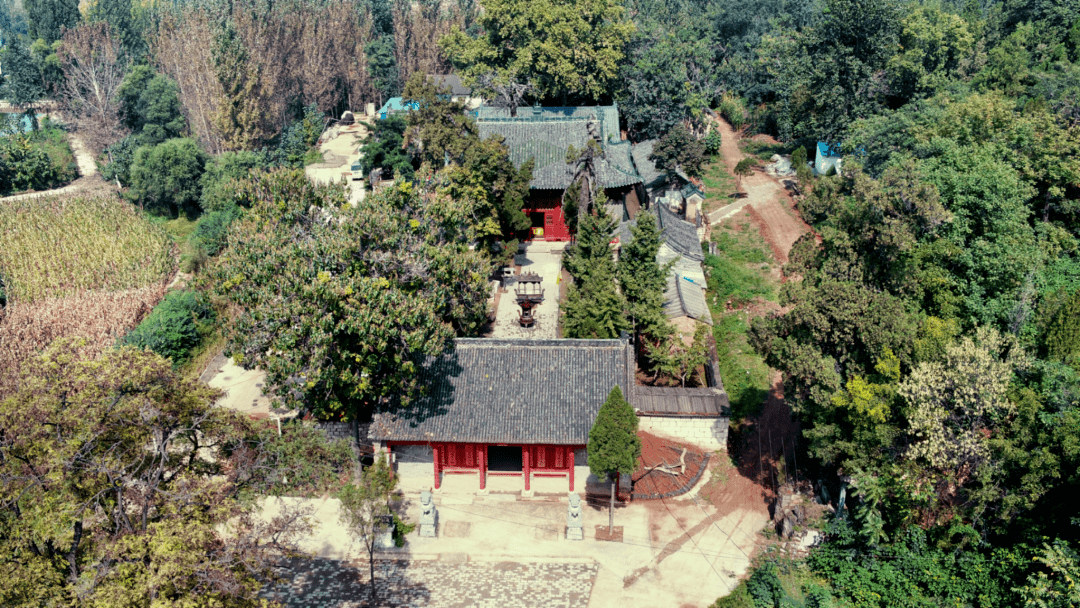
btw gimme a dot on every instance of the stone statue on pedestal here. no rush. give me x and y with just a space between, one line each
428 515
575 520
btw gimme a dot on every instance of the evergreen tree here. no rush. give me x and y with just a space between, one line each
593 308
642 280
614 446
22 80
48 18
382 65
118 14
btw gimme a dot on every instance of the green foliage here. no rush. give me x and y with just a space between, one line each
384 149
712 142
218 184
340 304
296 143
22 79
478 170
384 68
305 461
365 508
764 586
593 309
1058 588
120 156
614 447
527 40
734 111
150 106
80 434
172 329
123 23
642 280
1063 333
679 149
660 87
48 18
165 177
673 359
37 161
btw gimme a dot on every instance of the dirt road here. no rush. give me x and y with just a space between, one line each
768 202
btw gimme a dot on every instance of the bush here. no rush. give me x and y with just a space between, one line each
172 329
733 109
738 598
713 142
208 238
165 177
120 155
218 183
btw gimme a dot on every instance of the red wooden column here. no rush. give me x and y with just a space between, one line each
481 460
525 466
435 455
570 466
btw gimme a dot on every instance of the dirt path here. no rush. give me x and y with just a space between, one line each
88 174
770 206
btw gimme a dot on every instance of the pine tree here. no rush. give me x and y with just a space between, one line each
48 18
614 447
593 308
642 280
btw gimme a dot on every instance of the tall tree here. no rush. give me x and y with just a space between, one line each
123 25
642 280
121 482
340 303
568 49
594 309
614 447
365 508
22 79
93 72
48 18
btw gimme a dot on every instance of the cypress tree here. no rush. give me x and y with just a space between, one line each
614 447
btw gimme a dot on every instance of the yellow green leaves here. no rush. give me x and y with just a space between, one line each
869 402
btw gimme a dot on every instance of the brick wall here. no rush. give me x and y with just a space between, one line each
709 433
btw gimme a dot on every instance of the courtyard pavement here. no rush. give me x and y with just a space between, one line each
544 259
678 552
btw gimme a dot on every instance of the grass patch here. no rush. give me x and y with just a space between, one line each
719 184
59 246
764 150
739 274
312 156
179 229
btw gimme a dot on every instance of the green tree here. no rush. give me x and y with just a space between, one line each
383 66
679 150
383 149
48 18
172 328
218 183
674 358
1063 333
122 483
23 85
614 446
1058 588
594 309
340 304
165 177
934 45
744 168
568 49
122 23
642 280
365 509
150 106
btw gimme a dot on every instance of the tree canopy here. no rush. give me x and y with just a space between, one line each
339 303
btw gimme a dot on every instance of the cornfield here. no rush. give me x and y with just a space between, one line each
61 246
100 318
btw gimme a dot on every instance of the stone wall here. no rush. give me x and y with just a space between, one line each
708 433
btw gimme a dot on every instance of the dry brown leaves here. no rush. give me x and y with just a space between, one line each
100 318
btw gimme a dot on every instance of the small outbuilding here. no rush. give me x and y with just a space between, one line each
828 158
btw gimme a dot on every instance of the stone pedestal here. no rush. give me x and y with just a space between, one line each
575 520
428 515
385 538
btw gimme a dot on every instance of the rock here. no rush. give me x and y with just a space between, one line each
787 528
774 158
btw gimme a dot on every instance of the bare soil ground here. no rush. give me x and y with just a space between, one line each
770 205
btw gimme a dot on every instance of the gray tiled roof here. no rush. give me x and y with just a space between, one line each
546 135
680 234
608 116
452 82
700 401
512 391
651 176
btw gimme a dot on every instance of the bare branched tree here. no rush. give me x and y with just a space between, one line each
91 59
509 95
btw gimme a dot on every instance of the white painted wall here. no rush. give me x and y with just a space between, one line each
708 433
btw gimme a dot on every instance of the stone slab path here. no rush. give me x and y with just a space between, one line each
434 584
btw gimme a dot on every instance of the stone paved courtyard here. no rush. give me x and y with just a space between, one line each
446 583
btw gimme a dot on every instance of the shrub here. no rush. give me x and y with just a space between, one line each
120 156
36 161
713 142
208 238
165 177
218 183
172 328
764 587
733 109
738 598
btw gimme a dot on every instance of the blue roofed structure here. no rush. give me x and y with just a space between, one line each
396 105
